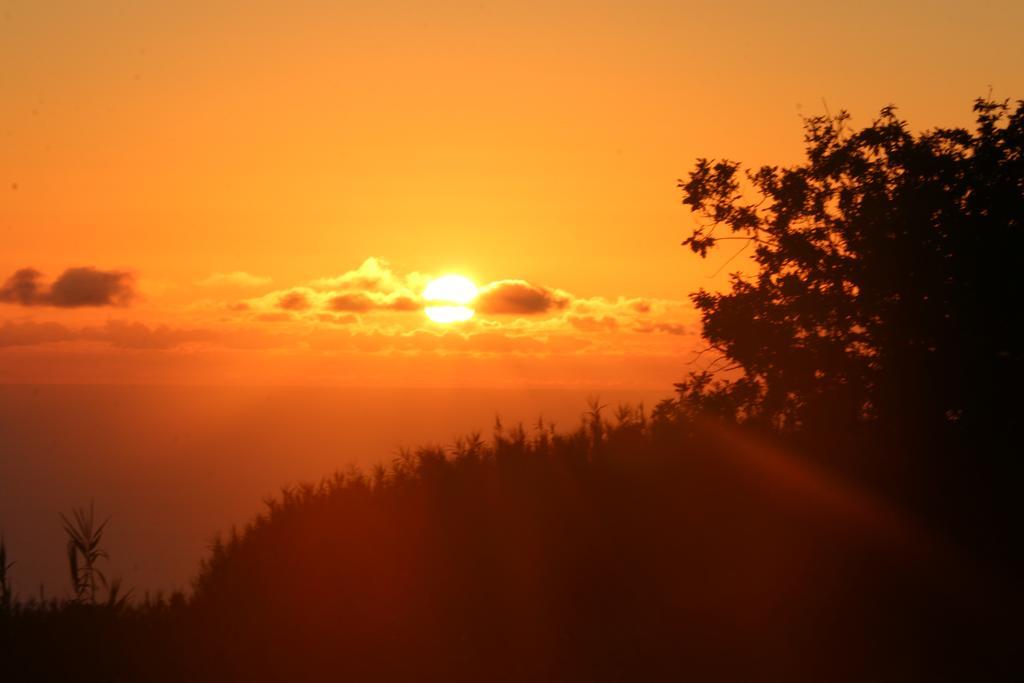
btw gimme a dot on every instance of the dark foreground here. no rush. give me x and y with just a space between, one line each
647 550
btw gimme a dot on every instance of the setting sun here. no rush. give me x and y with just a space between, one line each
449 295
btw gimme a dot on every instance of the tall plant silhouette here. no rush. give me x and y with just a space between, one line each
84 551
6 592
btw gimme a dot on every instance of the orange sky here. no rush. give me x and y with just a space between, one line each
229 155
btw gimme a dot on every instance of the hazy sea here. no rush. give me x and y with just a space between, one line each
172 466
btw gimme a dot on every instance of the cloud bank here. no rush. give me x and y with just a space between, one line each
372 298
118 333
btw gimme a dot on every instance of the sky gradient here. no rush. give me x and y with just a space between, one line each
257 192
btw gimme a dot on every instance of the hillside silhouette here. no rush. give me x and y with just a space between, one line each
839 505
643 548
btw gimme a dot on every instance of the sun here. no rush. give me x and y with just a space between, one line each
448 297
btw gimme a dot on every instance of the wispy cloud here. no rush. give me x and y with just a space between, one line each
236 278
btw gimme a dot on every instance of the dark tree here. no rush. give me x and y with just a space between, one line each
889 270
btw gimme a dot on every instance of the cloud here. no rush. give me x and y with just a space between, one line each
363 300
23 288
401 302
75 288
518 297
359 302
667 328
91 287
120 334
352 303
294 301
480 343
372 275
236 278
593 323
134 335
274 317
30 333
345 319
373 286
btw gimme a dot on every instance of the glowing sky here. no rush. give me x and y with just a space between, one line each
261 190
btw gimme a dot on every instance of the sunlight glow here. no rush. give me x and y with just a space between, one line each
449 314
450 293
453 289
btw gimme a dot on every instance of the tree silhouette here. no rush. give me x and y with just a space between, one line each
888 273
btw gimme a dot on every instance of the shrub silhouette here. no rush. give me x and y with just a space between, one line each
643 549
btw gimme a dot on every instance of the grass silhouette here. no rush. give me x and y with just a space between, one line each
647 547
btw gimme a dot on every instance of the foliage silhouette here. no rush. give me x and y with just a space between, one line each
888 270
878 326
